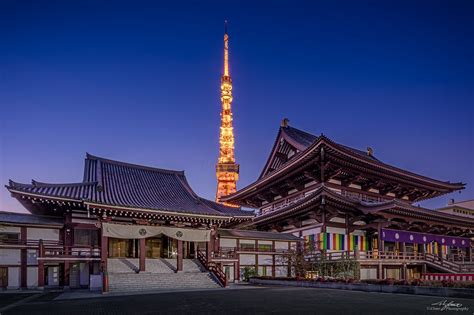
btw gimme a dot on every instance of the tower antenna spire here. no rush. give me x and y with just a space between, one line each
226 50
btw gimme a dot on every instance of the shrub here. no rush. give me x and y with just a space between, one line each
249 272
416 282
447 283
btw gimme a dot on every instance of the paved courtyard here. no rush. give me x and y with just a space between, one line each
258 300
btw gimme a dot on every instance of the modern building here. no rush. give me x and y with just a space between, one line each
461 208
347 203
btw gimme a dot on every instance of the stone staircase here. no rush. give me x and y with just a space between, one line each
160 274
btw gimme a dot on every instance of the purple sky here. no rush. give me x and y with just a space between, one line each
139 82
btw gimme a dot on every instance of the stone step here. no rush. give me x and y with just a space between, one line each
152 281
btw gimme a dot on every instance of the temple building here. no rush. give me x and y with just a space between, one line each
345 202
127 223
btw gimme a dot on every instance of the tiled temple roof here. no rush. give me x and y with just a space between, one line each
306 146
306 139
114 183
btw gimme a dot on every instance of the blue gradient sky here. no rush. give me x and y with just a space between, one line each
139 82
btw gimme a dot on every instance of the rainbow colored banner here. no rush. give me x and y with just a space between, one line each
335 241
432 248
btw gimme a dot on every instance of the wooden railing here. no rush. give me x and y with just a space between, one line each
225 253
46 250
29 243
253 249
457 267
212 267
72 252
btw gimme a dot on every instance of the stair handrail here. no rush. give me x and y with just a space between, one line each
214 268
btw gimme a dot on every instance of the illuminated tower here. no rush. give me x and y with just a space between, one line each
227 171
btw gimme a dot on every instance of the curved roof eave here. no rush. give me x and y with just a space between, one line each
325 140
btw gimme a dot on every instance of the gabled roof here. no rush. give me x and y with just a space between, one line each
114 183
298 138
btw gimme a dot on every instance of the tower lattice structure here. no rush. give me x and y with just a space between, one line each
227 171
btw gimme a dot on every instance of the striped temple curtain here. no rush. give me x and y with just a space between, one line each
432 248
335 241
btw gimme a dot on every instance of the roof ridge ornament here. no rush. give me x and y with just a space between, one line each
370 151
285 122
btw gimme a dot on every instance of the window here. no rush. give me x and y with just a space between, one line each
86 237
265 247
247 246
9 237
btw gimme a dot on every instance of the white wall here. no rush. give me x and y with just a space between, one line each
281 260
31 257
281 245
44 234
9 229
230 274
84 273
265 260
368 273
335 230
13 277
281 271
32 277
53 275
262 273
247 259
265 242
10 256
338 220
311 231
228 242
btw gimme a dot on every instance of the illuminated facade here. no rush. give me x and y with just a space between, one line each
227 171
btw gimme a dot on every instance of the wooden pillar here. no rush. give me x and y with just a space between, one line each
66 270
236 271
23 258
40 274
323 223
379 238
208 251
404 249
273 260
104 244
179 259
142 254
256 256
380 274
288 261
237 265
68 233
404 271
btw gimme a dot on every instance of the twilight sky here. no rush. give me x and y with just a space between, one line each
139 82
